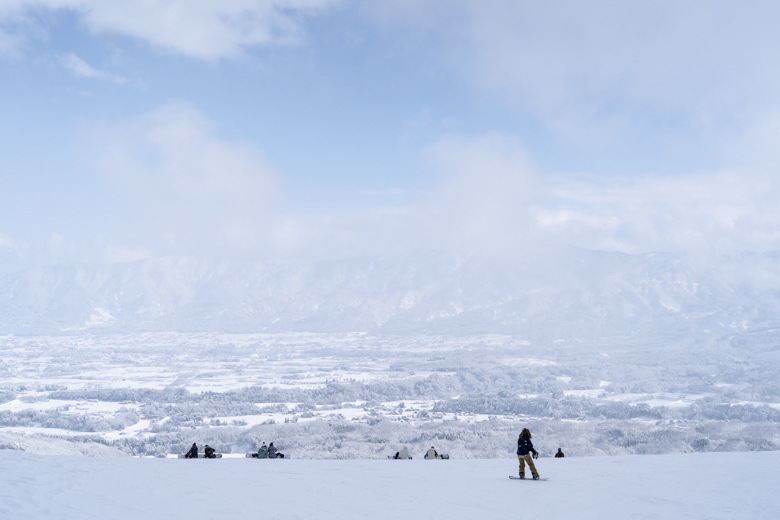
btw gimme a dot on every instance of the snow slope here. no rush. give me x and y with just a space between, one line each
51 446
690 486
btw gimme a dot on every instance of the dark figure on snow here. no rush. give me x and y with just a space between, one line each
193 453
262 453
209 451
524 449
560 454
271 451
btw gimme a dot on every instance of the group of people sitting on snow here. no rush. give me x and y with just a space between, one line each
265 452
208 452
431 454
269 452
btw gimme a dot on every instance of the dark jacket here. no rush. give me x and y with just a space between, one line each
271 452
193 453
524 446
559 455
209 452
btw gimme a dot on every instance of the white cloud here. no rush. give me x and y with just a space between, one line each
492 198
187 191
192 191
203 29
705 213
599 70
486 189
85 70
559 50
186 187
15 26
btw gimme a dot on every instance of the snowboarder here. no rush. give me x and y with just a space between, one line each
193 453
262 453
559 455
524 448
209 452
432 454
271 451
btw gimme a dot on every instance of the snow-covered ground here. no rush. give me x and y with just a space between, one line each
703 486
156 393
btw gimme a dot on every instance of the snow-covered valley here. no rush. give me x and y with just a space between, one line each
706 486
358 396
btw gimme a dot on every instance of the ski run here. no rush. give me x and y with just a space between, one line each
679 486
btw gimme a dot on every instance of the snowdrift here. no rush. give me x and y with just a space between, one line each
691 486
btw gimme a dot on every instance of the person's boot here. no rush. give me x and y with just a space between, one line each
536 477
522 475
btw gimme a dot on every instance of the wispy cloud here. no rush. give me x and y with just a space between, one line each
188 188
185 190
392 191
81 68
604 72
203 29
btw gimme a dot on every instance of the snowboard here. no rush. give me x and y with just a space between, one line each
254 456
202 456
529 478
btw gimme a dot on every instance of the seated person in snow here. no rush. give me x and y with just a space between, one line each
559 455
209 451
432 454
193 453
403 454
271 451
262 453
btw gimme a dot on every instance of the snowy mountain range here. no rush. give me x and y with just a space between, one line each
579 293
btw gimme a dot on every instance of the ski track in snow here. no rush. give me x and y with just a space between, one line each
690 486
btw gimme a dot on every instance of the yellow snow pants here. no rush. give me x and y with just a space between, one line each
527 458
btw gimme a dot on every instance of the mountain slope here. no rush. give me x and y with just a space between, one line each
587 293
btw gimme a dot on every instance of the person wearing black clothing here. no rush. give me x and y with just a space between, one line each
559 455
524 449
193 453
271 451
209 451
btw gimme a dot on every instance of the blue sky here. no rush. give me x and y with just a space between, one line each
324 128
